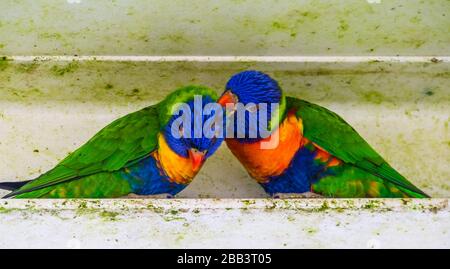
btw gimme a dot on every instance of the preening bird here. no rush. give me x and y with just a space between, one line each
317 152
138 154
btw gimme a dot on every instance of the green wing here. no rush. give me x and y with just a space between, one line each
120 144
333 134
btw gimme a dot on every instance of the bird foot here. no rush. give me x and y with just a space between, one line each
296 195
152 196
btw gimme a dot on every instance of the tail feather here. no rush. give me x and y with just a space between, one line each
12 186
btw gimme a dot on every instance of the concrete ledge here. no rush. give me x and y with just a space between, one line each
226 223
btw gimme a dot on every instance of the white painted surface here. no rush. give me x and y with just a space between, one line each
220 27
206 223
384 68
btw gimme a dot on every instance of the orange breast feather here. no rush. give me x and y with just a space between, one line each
177 168
263 163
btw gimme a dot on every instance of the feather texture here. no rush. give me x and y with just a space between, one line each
331 133
117 160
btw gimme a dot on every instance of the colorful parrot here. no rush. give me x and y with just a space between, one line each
136 155
318 153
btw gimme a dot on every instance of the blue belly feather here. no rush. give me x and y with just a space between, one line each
146 178
298 177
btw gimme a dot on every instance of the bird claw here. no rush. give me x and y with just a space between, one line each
152 196
296 195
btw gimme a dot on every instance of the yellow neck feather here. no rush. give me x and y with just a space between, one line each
177 168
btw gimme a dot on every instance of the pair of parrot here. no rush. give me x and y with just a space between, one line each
317 153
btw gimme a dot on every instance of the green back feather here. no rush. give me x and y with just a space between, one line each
332 133
123 142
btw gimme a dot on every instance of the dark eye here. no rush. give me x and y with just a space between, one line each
181 130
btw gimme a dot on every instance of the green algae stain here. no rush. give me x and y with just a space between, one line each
248 202
82 205
68 68
109 86
309 15
415 19
50 36
291 218
279 26
170 218
373 204
174 212
176 38
311 230
5 210
27 67
428 92
156 209
4 63
82 208
108 215
180 238
292 22
342 28
373 97
414 42
343 25
323 207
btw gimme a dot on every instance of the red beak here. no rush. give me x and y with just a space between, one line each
197 158
226 98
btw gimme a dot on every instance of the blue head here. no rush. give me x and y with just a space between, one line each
185 133
251 87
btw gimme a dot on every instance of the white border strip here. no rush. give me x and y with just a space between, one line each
283 59
261 203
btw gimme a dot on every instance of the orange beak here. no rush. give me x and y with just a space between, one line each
197 158
226 98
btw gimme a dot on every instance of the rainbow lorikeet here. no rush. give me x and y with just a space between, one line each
138 154
317 153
